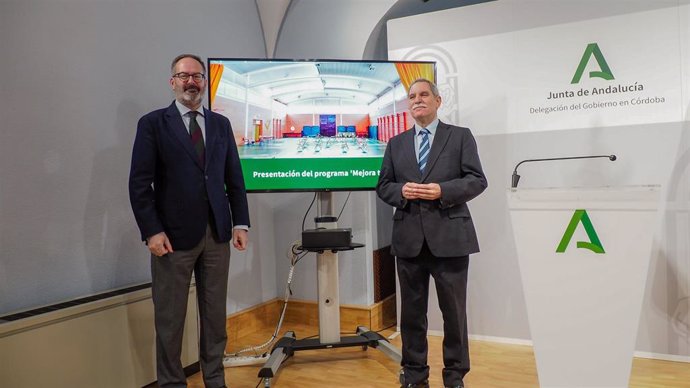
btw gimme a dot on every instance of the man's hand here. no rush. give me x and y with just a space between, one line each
408 191
159 244
240 239
428 191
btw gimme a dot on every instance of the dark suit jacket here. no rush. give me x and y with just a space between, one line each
185 192
446 224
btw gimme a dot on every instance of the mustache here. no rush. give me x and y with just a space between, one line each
191 87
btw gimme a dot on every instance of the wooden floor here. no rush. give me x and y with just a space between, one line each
493 366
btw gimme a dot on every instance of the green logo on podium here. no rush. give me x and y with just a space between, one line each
580 216
593 50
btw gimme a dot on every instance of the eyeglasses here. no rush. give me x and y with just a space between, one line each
184 77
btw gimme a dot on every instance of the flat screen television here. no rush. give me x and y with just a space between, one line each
313 125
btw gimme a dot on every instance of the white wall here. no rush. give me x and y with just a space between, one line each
320 29
77 75
328 30
499 59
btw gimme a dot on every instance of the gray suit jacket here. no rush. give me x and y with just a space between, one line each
446 224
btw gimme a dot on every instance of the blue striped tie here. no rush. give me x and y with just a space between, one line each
424 148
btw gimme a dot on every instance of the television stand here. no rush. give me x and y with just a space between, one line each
329 309
350 247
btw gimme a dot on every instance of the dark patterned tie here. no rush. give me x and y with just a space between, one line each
424 148
197 136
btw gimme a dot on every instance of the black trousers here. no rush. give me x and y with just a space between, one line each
450 276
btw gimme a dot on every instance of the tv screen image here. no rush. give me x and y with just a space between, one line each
313 125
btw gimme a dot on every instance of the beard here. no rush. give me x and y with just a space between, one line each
189 97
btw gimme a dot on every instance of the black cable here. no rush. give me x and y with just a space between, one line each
343 208
307 212
300 257
386 328
295 251
259 383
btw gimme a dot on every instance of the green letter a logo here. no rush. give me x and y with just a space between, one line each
594 245
605 73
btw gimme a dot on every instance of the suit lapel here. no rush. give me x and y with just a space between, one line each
180 132
440 139
211 134
409 151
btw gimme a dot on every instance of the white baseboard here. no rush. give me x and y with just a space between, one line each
501 340
663 357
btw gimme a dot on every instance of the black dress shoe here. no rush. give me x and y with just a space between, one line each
423 384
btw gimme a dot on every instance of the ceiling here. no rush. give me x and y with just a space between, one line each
314 82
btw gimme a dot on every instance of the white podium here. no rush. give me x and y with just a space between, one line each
584 255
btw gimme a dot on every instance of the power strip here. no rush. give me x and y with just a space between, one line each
230 361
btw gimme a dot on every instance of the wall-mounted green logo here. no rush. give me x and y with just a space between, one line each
580 216
593 50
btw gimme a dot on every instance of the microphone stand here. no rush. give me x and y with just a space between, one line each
516 178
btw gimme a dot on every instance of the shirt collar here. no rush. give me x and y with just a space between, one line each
431 127
184 110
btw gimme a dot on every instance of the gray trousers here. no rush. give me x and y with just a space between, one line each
171 275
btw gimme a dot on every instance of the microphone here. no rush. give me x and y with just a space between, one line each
516 177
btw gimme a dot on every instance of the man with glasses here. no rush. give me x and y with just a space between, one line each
185 172
429 174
